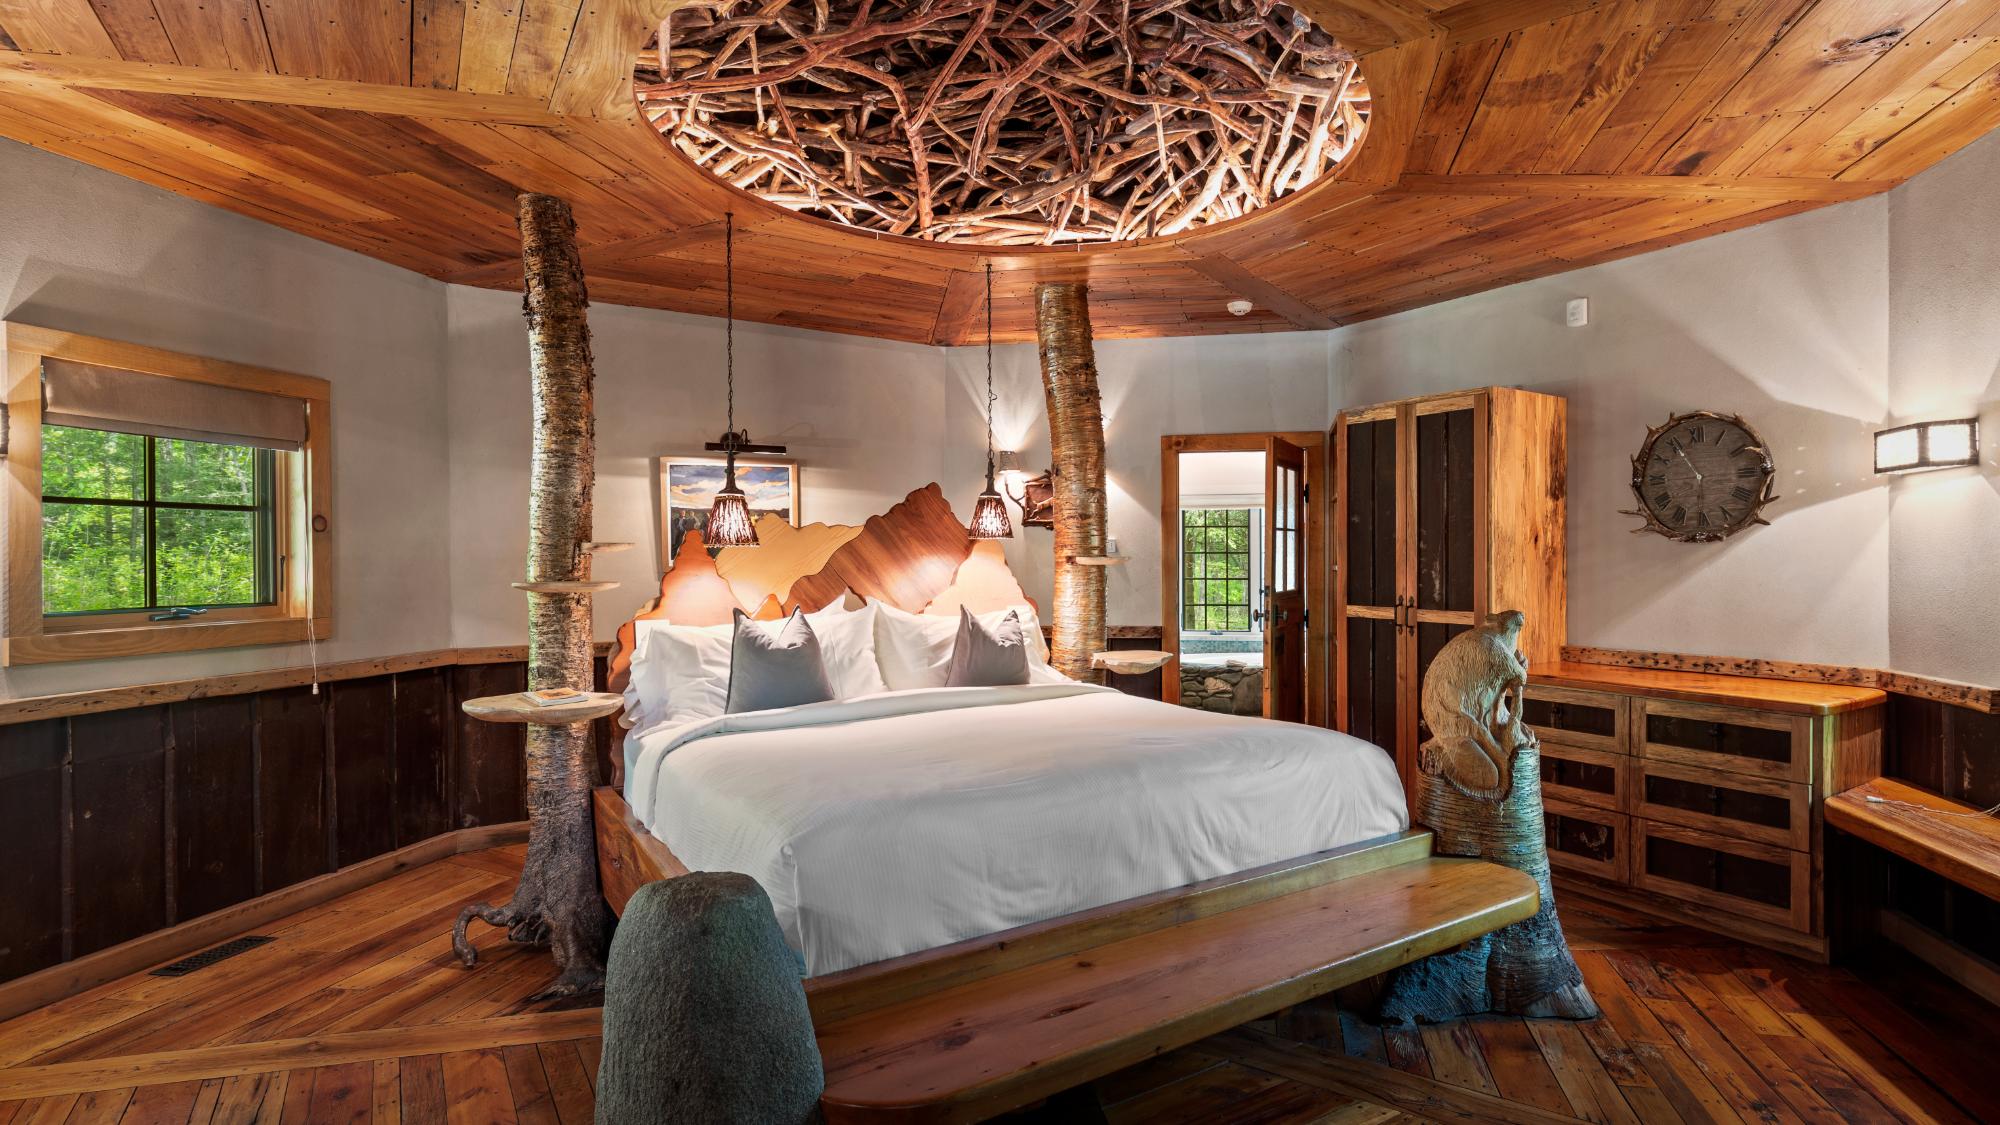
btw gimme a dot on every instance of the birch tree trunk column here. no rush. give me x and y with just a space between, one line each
558 899
1076 446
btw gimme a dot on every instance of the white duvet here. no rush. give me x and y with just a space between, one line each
911 819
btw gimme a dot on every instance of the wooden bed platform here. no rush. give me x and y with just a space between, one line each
966 1031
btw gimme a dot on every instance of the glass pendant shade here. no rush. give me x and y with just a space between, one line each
729 522
989 517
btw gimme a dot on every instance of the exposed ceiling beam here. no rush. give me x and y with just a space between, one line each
959 311
20 67
623 250
1646 187
1364 26
1484 19
1249 286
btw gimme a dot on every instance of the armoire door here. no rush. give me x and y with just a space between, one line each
1368 587
1284 587
1413 520
1446 515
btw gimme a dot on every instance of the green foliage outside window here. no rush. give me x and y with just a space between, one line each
132 522
1215 569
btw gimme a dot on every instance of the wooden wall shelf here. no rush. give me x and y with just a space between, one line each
595 548
1943 835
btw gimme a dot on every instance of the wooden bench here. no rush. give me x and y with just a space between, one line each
1964 849
967 1031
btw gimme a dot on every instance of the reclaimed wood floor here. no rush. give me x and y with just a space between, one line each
358 1015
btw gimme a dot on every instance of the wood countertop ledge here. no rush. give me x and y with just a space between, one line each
1702 687
1962 848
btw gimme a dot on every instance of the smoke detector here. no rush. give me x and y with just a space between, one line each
1240 307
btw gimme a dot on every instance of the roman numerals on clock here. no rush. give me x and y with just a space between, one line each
1701 477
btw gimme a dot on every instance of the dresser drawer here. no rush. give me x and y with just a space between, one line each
1740 876
1588 839
1759 743
1747 807
1586 777
1593 720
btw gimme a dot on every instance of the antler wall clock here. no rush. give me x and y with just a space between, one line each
1702 477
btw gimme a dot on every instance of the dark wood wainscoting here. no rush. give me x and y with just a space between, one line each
116 823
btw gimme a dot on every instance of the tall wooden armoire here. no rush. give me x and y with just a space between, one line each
1450 507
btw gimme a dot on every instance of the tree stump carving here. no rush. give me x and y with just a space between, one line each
1479 790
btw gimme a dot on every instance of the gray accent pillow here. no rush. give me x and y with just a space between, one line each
988 658
768 671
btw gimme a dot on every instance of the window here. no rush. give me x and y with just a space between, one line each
1215 569
138 481
133 523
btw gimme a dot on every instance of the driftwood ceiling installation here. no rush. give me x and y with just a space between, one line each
1508 139
1051 121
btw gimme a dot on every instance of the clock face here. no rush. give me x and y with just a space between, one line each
1702 477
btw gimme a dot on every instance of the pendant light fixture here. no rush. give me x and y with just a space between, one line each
989 513
729 523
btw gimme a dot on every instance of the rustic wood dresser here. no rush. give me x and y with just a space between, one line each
1700 797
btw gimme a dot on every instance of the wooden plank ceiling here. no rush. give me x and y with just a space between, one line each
1510 139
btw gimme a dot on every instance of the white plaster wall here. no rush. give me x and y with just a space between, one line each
1151 388
88 251
1944 362
1786 323
868 419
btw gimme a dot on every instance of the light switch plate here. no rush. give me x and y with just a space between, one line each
1578 313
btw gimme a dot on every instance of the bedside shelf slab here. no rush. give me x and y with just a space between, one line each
565 587
1130 661
518 708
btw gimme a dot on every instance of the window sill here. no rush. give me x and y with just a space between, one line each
99 644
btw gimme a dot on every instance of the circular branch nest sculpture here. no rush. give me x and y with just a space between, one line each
1019 123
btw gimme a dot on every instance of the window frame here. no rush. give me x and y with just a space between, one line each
1253 579
302 529
272 463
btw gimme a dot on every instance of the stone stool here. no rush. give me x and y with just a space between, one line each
705 1020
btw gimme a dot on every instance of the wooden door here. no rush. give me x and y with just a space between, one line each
1284 594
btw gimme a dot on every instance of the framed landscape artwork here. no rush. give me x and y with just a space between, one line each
688 486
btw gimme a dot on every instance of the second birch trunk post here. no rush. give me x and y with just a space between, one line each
1076 446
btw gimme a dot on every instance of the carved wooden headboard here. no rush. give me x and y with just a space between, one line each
915 557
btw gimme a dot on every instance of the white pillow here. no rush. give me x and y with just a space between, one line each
847 645
914 649
680 673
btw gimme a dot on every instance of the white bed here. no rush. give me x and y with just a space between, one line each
895 822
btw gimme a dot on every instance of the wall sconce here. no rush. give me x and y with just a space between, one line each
1927 445
1037 495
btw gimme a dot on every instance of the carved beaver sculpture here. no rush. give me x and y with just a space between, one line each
1479 790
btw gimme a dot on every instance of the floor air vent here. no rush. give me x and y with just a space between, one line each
209 957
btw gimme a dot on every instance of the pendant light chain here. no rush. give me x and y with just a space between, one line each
989 374
989 512
729 309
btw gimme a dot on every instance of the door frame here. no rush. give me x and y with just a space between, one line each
1318 651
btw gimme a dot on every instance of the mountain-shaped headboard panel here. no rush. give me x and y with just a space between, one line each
915 556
